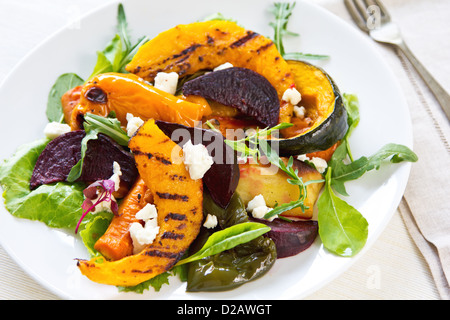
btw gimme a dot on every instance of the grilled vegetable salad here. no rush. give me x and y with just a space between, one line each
201 153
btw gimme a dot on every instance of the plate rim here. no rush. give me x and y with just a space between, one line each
375 233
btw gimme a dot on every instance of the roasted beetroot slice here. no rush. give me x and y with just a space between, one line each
291 238
57 159
100 156
222 178
63 152
241 88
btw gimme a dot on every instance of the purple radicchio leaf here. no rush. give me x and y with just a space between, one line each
95 194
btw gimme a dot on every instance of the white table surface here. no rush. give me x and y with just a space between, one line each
393 268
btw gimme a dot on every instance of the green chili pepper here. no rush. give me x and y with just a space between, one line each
234 267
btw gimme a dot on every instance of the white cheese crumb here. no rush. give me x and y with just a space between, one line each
55 129
320 164
196 159
224 66
299 112
103 206
117 173
144 235
257 201
210 221
147 213
257 206
167 82
292 96
133 124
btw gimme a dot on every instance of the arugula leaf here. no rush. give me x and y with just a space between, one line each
282 12
227 239
109 126
64 83
342 171
119 51
342 229
217 16
345 172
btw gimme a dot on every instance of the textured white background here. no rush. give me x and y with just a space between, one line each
393 268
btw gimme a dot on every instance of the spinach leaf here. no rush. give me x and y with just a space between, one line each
64 83
227 239
57 205
342 228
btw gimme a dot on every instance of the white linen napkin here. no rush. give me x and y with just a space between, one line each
425 207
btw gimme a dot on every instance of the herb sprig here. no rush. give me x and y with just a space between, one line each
256 145
119 52
282 12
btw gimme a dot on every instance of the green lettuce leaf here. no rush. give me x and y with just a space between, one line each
58 205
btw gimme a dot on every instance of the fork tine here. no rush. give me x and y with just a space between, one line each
383 10
356 16
362 8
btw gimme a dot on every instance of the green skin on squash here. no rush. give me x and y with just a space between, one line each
321 97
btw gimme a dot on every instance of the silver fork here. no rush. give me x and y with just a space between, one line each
373 18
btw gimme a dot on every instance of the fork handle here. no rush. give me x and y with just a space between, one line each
439 92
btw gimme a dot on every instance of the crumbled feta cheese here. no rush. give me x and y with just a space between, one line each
55 129
148 212
103 206
167 82
303 157
224 66
257 201
210 221
292 96
196 159
133 124
117 173
299 112
258 208
319 163
144 235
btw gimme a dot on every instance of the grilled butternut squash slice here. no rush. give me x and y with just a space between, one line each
179 201
186 49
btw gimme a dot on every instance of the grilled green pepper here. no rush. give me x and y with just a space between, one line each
231 268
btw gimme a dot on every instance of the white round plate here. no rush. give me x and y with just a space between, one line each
48 255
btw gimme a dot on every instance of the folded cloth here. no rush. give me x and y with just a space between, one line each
425 207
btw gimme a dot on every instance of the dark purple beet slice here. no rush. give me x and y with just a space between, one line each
57 159
241 88
63 152
100 156
291 238
222 178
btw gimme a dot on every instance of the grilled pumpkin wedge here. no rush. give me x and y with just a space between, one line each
186 49
179 201
325 121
